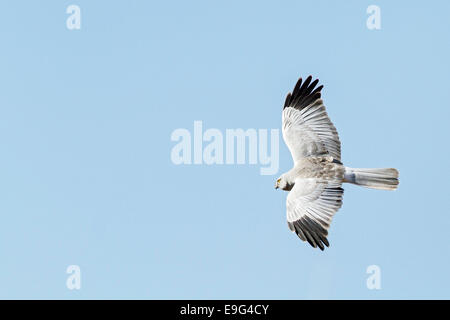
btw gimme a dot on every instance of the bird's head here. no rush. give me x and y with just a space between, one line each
283 184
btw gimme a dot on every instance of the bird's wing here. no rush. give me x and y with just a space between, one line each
307 129
311 205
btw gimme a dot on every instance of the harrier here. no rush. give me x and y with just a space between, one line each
315 181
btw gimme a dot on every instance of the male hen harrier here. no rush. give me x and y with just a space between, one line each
315 180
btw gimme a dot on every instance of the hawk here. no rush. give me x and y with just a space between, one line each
315 182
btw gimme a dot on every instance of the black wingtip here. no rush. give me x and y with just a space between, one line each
288 100
304 93
311 231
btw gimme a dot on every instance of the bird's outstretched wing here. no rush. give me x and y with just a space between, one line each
310 207
307 129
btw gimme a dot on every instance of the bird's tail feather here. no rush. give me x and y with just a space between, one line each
383 178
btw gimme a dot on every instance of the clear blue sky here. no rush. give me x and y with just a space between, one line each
85 172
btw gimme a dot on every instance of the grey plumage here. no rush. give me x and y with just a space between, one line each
315 181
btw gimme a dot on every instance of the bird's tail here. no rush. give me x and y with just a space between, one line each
385 178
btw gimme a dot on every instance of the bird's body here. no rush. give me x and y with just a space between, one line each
315 181
321 167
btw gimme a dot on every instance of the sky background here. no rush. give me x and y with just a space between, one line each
85 171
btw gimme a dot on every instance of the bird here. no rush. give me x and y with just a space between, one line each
314 184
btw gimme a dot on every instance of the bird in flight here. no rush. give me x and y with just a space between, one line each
315 181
